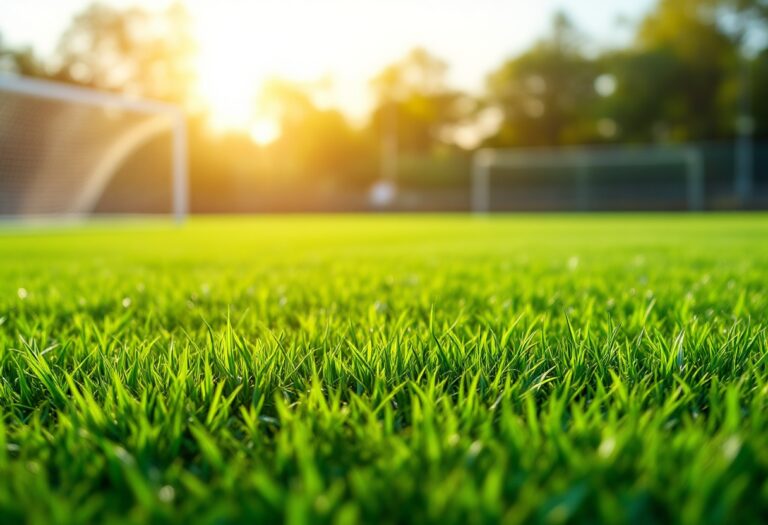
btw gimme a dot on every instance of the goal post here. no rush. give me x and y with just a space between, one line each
581 160
61 145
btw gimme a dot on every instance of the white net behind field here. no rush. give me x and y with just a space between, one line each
58 157
588 177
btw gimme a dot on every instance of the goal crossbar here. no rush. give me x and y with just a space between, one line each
48 90
583 159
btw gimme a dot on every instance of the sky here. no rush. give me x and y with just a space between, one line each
346 40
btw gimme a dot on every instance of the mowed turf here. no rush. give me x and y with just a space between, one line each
415 369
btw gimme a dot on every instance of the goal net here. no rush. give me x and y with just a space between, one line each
588 178
68 151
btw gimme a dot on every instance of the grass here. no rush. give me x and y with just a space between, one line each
448 370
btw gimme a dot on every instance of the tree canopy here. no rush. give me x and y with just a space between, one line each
681 77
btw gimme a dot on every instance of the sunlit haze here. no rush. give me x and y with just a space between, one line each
342 42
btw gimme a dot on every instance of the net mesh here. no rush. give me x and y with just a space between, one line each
66 158
589 178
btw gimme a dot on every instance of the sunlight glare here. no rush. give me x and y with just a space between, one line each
240 51
264 131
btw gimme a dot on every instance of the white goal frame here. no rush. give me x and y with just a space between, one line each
582 159
174 122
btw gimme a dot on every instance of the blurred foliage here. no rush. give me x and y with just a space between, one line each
761 86
20 60
414 102
702 63
751 7
680 78
547 92
311 137
130 50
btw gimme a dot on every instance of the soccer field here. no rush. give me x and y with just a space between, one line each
344 369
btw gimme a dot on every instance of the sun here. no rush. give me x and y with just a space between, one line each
241 48
232 107
264 130
228 89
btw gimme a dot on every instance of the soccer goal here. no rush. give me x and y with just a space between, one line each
585 171
68 151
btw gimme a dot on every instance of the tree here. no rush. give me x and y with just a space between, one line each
749 8
547 93
130 50
20 60
648 99
760 87
677 81
414 101
313 142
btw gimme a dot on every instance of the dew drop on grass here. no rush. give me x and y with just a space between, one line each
731 448
166 494
124 456
607 446
22 293
126 302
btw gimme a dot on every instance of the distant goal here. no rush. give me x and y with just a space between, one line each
587 178
72 152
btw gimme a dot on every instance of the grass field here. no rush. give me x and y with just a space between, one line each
386 369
